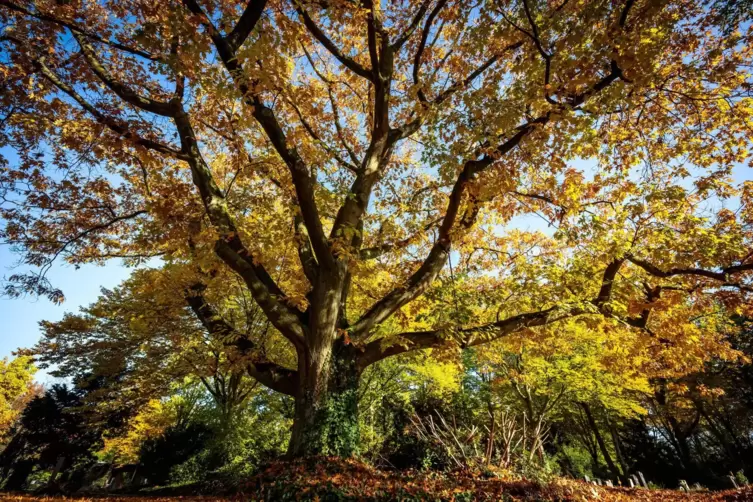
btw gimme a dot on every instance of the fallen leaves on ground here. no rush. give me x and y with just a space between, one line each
330 479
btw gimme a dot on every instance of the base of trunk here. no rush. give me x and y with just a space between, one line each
326 421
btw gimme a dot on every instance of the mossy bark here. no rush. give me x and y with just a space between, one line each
326 407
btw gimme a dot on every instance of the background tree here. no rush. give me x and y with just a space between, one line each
54 433
369 145
17 388
155 331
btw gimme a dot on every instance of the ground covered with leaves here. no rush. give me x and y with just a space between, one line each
337 480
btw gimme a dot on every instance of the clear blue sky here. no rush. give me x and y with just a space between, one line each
19 317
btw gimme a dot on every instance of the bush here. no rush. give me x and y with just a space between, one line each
159 456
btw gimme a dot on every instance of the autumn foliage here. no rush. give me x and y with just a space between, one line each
17 388
545 194
335 479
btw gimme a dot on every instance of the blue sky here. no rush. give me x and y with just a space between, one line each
19 317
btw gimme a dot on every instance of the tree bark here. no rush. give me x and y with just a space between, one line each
326 405
730 448
618 447
681 441
600 440
492 431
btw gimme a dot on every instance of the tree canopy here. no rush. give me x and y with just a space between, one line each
370 173
17 388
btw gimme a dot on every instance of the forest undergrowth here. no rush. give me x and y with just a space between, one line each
330 479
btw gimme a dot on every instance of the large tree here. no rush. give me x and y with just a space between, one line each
339 155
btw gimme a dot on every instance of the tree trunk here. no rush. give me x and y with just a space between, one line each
492 431
59 467
617 446
682 445
730 448
600 440
326 407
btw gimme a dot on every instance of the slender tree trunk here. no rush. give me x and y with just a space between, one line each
724 419
618 447
587 440
600 440
326 407
683 447
492 431
730 448
594 456
59 466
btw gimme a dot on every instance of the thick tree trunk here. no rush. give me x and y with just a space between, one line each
326 407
